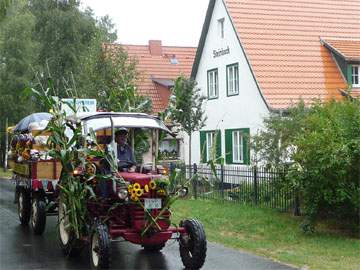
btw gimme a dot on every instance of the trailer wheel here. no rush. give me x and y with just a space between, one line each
100 247
69 244
24 206
38 216
193 244
154 248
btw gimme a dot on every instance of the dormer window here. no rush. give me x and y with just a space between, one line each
221 27
355 76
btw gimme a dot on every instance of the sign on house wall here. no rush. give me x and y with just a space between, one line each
221 52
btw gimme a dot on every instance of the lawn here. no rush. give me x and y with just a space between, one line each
4 175
272 234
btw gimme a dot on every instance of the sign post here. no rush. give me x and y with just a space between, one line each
6 144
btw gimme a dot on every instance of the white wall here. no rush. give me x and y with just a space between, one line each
245 110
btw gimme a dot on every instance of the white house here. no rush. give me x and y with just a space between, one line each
258 56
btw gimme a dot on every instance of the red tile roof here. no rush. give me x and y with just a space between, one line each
153 62
281 39
349 49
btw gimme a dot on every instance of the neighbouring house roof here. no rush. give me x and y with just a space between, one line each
349 49
158 67
281 40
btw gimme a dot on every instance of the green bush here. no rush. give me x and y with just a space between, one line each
323 142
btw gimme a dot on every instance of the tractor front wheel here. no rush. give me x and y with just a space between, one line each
100 247
193 244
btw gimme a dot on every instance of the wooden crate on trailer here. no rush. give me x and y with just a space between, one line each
46 169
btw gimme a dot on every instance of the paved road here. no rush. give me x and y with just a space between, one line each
20 249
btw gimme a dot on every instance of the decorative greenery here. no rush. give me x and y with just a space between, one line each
74 154
322 143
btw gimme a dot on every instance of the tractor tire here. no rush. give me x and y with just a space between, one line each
38 216
24 206
153 248
193 245
100 251
69 244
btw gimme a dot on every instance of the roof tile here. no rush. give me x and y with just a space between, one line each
159 66
282 41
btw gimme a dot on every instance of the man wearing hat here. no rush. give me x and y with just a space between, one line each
125 154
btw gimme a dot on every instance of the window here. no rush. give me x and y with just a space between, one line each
213 83
237 149
355 76
210 141
232 76
221 27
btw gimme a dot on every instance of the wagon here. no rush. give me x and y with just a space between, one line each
135 210
35 178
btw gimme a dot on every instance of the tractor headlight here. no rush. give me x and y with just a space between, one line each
122 194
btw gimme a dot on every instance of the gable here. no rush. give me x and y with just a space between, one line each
281 39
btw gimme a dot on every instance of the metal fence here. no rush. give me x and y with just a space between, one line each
242 184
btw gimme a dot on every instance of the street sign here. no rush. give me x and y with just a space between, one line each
82 105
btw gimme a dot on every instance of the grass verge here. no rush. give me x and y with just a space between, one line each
272 234
5 175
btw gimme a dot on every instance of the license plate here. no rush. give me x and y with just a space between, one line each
152 203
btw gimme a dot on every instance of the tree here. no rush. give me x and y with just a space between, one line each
323 143
66 35
17 54
185 107
111 78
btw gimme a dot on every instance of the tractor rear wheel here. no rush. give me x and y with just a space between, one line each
193 244
69 244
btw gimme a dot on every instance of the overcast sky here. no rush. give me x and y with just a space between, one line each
175 22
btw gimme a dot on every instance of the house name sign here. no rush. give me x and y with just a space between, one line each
221 52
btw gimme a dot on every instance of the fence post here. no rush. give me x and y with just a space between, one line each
195 179
297 204
256 196
222 180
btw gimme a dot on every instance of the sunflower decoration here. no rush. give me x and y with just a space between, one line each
135 192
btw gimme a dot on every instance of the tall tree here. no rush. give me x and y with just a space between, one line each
66 35
185 107
18 52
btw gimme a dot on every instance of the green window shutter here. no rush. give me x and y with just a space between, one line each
349 74
203 157
246 138
218 144
228 146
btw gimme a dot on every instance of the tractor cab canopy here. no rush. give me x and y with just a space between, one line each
106 120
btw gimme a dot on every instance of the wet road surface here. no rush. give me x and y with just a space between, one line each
20 249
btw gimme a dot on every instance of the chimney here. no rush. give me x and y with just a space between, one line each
155 47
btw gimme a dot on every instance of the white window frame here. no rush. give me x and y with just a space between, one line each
210 137
237 146
213 83
232 75
221 27
355 75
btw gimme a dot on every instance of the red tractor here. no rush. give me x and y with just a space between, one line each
136 208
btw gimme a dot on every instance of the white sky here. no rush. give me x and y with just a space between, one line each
175 22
